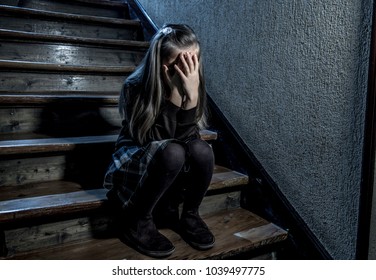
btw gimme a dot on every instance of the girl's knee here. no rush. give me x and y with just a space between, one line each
201 151
173 156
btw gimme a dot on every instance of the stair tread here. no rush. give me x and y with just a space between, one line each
70 17
26 65
23 35
106 3
236 231
56 197
54 144
51 144
17 98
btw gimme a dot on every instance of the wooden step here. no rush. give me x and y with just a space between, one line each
236 231
94 219
57 116
54 23
49 202
31 81
223 178
31 36
73 55
31 161
56 200
65 114
42 145
30 146
38 98
94 7
27 12
53 67
84 161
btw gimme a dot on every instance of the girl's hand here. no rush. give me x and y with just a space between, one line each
188 71
172 80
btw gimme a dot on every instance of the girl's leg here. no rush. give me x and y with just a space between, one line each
193 228
140 229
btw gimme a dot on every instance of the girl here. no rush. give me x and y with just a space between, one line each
159 147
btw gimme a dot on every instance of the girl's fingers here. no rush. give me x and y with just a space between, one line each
189 62
195 61
166 74
183 61
179 71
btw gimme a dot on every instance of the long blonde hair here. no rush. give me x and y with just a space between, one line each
144 89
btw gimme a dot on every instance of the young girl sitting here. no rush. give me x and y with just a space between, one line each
160 157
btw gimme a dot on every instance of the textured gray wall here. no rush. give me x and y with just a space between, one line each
372 239
291 77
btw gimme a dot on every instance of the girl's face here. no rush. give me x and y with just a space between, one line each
174 58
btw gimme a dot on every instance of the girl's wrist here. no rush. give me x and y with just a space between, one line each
189 104
175 98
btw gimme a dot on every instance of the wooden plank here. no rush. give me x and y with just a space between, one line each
80 165
68 17
38 189
208 134
68 54
8 147
217 202
49 234
226 177
225 226
52 144
59 119
57 232
31 36
52 203
59 82
103 3
52 26
20 171
26 65
94 8
44 206
111 98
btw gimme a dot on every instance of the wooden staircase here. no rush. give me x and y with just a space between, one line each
62 64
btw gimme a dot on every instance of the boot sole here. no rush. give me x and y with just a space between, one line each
154 254
198 246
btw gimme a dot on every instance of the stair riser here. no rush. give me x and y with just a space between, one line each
59 118
52 234
51 27
31 170
68 54
60 232
75 8
84 165
25 82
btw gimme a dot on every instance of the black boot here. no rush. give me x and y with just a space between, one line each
167 216
195 232
142 235
166 212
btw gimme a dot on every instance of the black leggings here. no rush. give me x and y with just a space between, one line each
177 168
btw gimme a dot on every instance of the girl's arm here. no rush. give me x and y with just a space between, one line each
165 124
190 79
